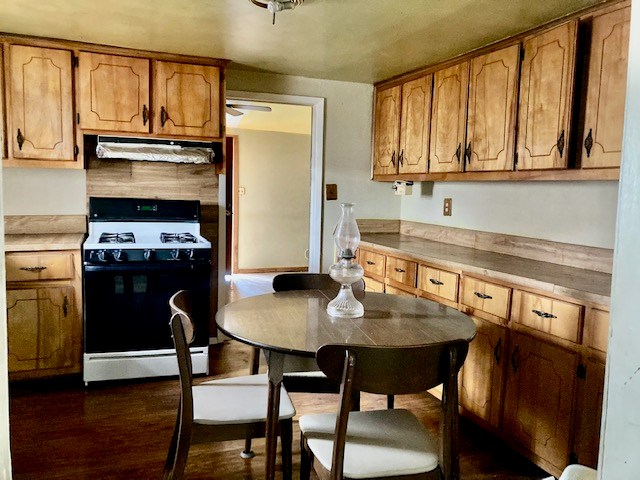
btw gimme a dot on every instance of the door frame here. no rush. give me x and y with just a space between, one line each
317 160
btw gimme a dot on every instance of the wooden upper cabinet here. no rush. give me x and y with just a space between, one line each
546 91
114 93
387 129
606 89
187 100
415 124
493 87
449 118
40 104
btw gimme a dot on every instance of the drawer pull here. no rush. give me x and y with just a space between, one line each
399 270
483 296
542 314
515 358
435 282
33 269
497 351
369 262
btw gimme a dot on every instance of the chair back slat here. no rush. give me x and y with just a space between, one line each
180 302
313 281
393 370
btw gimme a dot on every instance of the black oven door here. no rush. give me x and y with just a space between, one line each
126 307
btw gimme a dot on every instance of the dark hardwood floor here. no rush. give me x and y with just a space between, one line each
62 430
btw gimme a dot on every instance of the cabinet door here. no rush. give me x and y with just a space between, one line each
114 93
546 90
187 100
483 372
606 89
387 131
587 440
415 124
40 108
493 87
538 399
449 118
40 325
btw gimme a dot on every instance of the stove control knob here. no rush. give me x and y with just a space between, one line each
148 253
119 255
175 254
190 254
102 255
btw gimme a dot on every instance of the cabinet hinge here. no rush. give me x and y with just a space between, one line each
76 151
573 458
581 371
76 61
78 118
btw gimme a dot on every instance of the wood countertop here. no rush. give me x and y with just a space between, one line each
584 285
43 241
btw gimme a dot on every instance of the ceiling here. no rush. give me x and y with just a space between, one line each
282 118
350 40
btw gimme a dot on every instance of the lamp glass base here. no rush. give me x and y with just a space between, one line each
345 304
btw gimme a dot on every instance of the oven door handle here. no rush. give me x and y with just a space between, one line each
146 267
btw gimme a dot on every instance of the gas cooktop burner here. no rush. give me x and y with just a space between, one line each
178 238
117 238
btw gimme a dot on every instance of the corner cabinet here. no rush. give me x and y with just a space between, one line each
187 100
114 93
39 98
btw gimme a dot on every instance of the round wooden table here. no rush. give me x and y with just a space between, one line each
297 323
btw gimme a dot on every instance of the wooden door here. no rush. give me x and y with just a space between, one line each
40 323
114 93
482 375
587 439
493 97
546 91
538 399
40 104
187 100
386 131
415 124
606 90
449 118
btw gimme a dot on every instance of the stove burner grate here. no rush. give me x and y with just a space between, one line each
126 237
178 238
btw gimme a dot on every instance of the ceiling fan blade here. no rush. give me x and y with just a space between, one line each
243 106
233 111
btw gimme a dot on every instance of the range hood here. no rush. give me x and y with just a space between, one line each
158 150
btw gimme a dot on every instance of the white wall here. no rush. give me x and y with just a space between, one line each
274 169
347 144
620 438
40 191
572 212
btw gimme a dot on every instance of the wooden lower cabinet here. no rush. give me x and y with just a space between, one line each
482 375
539 395
371 285
41 324
590 396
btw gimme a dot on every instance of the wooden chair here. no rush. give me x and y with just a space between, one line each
385 443
218 410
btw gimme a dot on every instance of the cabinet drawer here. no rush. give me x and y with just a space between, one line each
397 291
596 330
371 285
38 266
438 282
488 297
549 315
401 271
373 263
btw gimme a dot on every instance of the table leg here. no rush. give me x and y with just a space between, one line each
275 361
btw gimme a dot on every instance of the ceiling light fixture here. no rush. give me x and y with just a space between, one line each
275 6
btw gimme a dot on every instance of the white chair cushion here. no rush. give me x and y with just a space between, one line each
236 400
578 472
380 443
313 374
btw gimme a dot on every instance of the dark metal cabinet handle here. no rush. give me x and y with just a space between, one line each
393 158
497 351
399 270
560 143
435 282
369 262
163 116
515 358
145 114
65 306
20 139
588 142
483 296
33 269
467 153
459 152
401 158
542 314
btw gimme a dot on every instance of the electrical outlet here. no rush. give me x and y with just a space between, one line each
332 191
446 211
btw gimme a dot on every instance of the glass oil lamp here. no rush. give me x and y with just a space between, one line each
346 271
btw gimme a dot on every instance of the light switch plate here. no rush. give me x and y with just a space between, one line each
446 211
